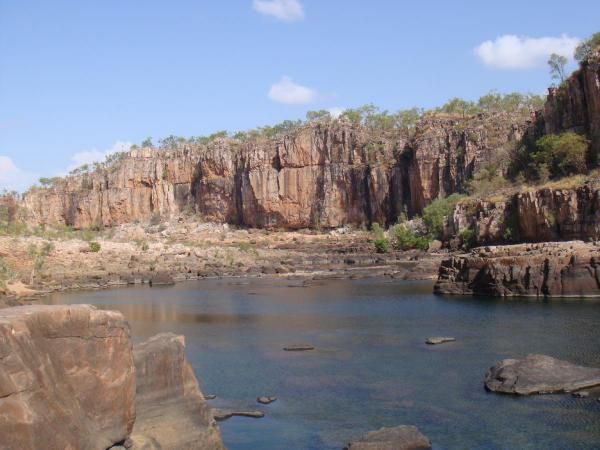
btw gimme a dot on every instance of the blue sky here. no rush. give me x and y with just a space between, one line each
79 77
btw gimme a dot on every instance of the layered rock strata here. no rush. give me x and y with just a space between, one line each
565 269
547 214
322 175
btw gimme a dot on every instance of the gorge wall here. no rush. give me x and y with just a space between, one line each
575 105
323 175
546 214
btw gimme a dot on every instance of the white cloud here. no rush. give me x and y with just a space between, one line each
514 52
94 155
286 10
336 111
13 178
288 92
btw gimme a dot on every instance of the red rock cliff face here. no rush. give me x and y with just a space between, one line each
323 175
575 106
534 216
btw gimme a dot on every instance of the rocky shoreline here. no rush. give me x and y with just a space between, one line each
184 250
550 269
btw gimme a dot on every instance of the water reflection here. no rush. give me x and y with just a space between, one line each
371 367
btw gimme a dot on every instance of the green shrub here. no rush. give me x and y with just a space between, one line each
486 181
94 246
562 154
433 215
405 239
245 246
381 245
511 226
585 49
467 238
6 274
87 235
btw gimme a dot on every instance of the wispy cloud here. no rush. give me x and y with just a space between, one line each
510 52
95 155
290 93
285 10
12 177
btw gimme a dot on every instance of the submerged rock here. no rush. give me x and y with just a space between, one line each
539 374
439 340
224 414
171 411
298 348
67 379
403 437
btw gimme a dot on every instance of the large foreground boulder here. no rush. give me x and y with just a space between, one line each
403 437
551 269
171 410
539 374
67 379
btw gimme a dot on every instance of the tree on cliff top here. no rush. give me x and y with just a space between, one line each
147 142
584 50
557 65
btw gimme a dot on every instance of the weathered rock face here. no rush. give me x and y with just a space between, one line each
576 105
133 188
565 269
67 379
532 216
323 175
402 437
539 374
171 411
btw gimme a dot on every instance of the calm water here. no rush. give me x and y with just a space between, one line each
371 367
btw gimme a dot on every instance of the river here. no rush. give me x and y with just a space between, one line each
370 367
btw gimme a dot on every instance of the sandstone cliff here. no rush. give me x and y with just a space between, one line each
322 175
575 105
545 214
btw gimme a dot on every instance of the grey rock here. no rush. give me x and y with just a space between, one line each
539 374
266 400
403 437
439 340
298 348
